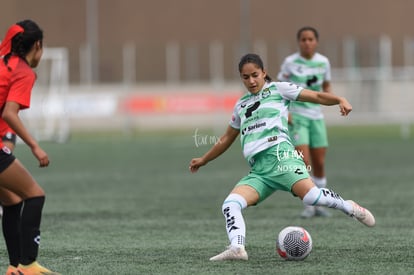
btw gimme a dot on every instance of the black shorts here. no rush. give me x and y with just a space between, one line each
6 158
10 137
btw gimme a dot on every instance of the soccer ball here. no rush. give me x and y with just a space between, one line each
294 243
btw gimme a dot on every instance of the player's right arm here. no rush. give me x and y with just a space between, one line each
219 148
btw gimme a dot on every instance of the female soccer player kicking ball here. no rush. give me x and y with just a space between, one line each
260 117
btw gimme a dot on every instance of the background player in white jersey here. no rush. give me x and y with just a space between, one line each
307 129
260 117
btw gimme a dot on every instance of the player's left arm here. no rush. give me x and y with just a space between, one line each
327 87
10 115
327 99
326 84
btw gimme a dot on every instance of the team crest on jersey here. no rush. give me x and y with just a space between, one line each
6 150
266 93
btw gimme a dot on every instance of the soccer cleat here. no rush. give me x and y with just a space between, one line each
231 253
35 269
362 214
322 212
12 270
308 212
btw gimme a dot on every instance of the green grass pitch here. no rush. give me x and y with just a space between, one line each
128 205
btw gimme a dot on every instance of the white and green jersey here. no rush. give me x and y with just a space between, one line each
262 117
309 74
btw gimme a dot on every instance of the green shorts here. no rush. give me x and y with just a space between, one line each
276 168
305 131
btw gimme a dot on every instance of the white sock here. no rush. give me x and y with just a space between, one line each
320 182
325 197
235 226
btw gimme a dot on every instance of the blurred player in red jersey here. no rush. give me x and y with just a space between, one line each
21 196
8 137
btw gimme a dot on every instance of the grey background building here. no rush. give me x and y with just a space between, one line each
108 38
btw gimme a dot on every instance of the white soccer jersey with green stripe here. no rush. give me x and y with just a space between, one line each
309 74
262 117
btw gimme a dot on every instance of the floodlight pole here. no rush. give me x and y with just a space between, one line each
92 42
245 27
